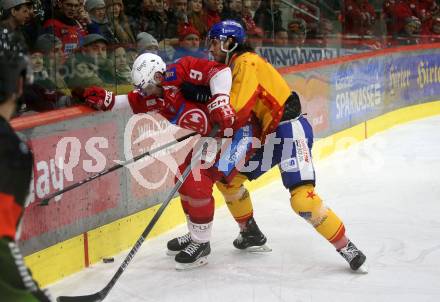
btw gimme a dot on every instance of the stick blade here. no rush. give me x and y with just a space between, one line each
87 298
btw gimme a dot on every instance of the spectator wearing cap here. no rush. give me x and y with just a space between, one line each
119 22
16 14
189 43
51 48
146 43
99 22
90 65
65 26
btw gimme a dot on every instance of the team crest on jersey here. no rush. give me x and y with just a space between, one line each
194 119
170 74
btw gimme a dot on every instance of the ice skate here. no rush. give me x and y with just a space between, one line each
194 255
177 244
251 239
354 257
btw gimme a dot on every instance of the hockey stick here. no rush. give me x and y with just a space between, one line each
99 296
45 201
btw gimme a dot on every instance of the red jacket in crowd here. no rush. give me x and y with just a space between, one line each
358 17
70 35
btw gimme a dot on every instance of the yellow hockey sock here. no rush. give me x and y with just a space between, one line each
237 198
309 206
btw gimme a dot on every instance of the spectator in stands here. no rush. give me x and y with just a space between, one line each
189 44
146 43
431 23
178 18
396 13
429 12
37 64
433 36
90 66
99 23
255 4
220 7
411 31
123 71
65 26
48 91
51 48
119 22
388 11
281 38
83 17
268 17
16 13
152 18
233 11
131 55
297 32
312 24
323 35
359 18
212 12
197 16
248 22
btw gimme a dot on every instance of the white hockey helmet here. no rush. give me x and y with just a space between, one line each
144 70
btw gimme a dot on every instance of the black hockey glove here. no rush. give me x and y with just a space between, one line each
292 107
197 93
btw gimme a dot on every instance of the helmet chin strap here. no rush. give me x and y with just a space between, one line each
227 51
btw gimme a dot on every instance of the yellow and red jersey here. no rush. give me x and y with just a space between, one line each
258 87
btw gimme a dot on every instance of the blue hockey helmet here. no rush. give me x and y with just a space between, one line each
227 28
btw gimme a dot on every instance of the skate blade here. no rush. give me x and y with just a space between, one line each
258 249
363 269
172 253
187 266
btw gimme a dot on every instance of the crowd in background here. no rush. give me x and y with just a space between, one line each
79 43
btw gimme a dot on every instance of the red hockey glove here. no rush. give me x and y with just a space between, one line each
221 111
99 98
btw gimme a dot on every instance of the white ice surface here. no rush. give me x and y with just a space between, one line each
386 190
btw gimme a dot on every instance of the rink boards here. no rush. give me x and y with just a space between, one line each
346 100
